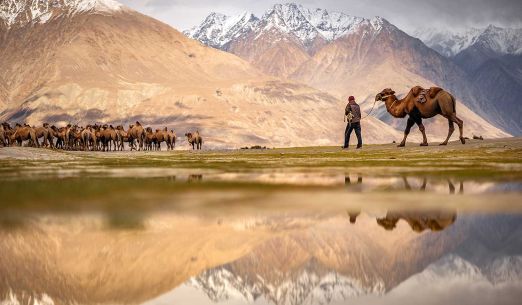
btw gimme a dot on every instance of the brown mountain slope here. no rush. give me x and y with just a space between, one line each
371 59
122 66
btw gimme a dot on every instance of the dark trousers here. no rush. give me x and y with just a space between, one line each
348 132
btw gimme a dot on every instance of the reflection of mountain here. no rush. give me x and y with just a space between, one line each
282 260
311 286
299 268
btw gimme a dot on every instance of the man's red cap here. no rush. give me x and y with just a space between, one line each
351 98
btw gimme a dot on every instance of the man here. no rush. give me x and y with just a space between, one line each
353 112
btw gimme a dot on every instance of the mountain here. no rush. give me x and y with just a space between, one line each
278 42
345 55
447 43
87 61
492 59
450 43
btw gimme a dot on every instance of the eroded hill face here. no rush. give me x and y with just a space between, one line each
345 55
121 66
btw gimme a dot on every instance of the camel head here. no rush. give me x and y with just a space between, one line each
188 135
384 94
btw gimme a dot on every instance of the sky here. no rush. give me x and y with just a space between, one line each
406 14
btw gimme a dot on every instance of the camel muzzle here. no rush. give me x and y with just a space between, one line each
378 97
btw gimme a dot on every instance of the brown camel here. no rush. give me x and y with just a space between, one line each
108 136
121 137
438 101
136 132
23 133
46 132
162 136
88 136
59 134
194 139
3 137
171 140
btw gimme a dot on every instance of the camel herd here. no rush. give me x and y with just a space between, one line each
93 137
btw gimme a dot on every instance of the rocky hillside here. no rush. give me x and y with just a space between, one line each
96 61
491 57
345 55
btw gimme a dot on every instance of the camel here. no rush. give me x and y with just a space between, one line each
121 137
108 135
3 135
194 139
59 134
438 102
171 140
45 132
23 133
136 132
162 136
150 139
88 136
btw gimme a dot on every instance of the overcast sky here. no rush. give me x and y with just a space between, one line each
406 14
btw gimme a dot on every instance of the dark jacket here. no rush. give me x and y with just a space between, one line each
354 108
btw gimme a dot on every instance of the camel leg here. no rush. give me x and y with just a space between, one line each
451 187
409 124
450 132
406 184
423 130
424 183
460 123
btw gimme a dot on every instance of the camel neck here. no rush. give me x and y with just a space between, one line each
393 105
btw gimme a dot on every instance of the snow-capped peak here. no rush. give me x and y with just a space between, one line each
26 11
219 29
451 42
306 25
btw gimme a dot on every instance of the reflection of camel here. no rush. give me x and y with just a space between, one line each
451 186
347 180
194 178
419 221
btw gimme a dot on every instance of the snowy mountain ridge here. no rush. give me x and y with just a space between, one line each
306 25
307 287
26 11
450 43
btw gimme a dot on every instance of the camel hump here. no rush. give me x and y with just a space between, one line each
434 91
416 90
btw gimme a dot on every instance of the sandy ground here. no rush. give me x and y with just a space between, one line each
28 153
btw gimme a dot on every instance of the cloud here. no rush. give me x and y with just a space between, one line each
406 14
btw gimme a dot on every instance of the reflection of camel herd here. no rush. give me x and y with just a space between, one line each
94 137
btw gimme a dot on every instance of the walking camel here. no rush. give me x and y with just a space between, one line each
437 102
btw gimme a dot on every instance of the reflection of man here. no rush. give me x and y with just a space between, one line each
353 112
353 215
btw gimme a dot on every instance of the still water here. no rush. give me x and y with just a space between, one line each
164 236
